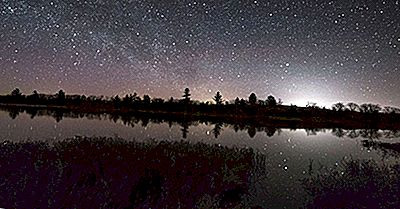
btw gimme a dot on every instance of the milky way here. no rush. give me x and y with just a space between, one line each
319 51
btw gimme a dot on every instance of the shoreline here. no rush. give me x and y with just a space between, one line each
300 120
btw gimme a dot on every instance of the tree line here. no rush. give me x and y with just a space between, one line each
251 110
61 98
130 100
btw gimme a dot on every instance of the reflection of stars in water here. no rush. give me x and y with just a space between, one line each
300 51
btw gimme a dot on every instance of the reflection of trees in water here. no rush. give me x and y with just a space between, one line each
338 132
145 119
353 134
236 128
184 129
58 115
354 184
391 134
386 147
13 113
313 131
370 134
113 173
32 112
366 133
251 131
217 129
270 131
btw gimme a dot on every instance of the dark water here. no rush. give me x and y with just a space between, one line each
69 162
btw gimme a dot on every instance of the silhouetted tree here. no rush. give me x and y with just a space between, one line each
186 96
218 98
237 101
136 98
157 101
16 92
353 106
146 99
262 103
280 101
392 110
338 107
370 108
34 97
117 102
35 93
127 100
253 99
242 102
61 96
271 101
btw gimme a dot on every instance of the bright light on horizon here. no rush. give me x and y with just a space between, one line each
304 102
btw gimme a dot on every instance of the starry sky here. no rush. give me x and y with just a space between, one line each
311 50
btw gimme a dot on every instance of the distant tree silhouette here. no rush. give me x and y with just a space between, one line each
146 99
34 97
237 101
370 108
280 101
218 98
338 107
271 101
238 110
136 98
391 110
128 100
253 99
242 102
117 102
186 96
171 100
60 96
157 101
16 92
262 103
353 106
35 93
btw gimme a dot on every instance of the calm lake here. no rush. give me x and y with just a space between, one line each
289 157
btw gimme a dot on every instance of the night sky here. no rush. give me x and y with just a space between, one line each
319 51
